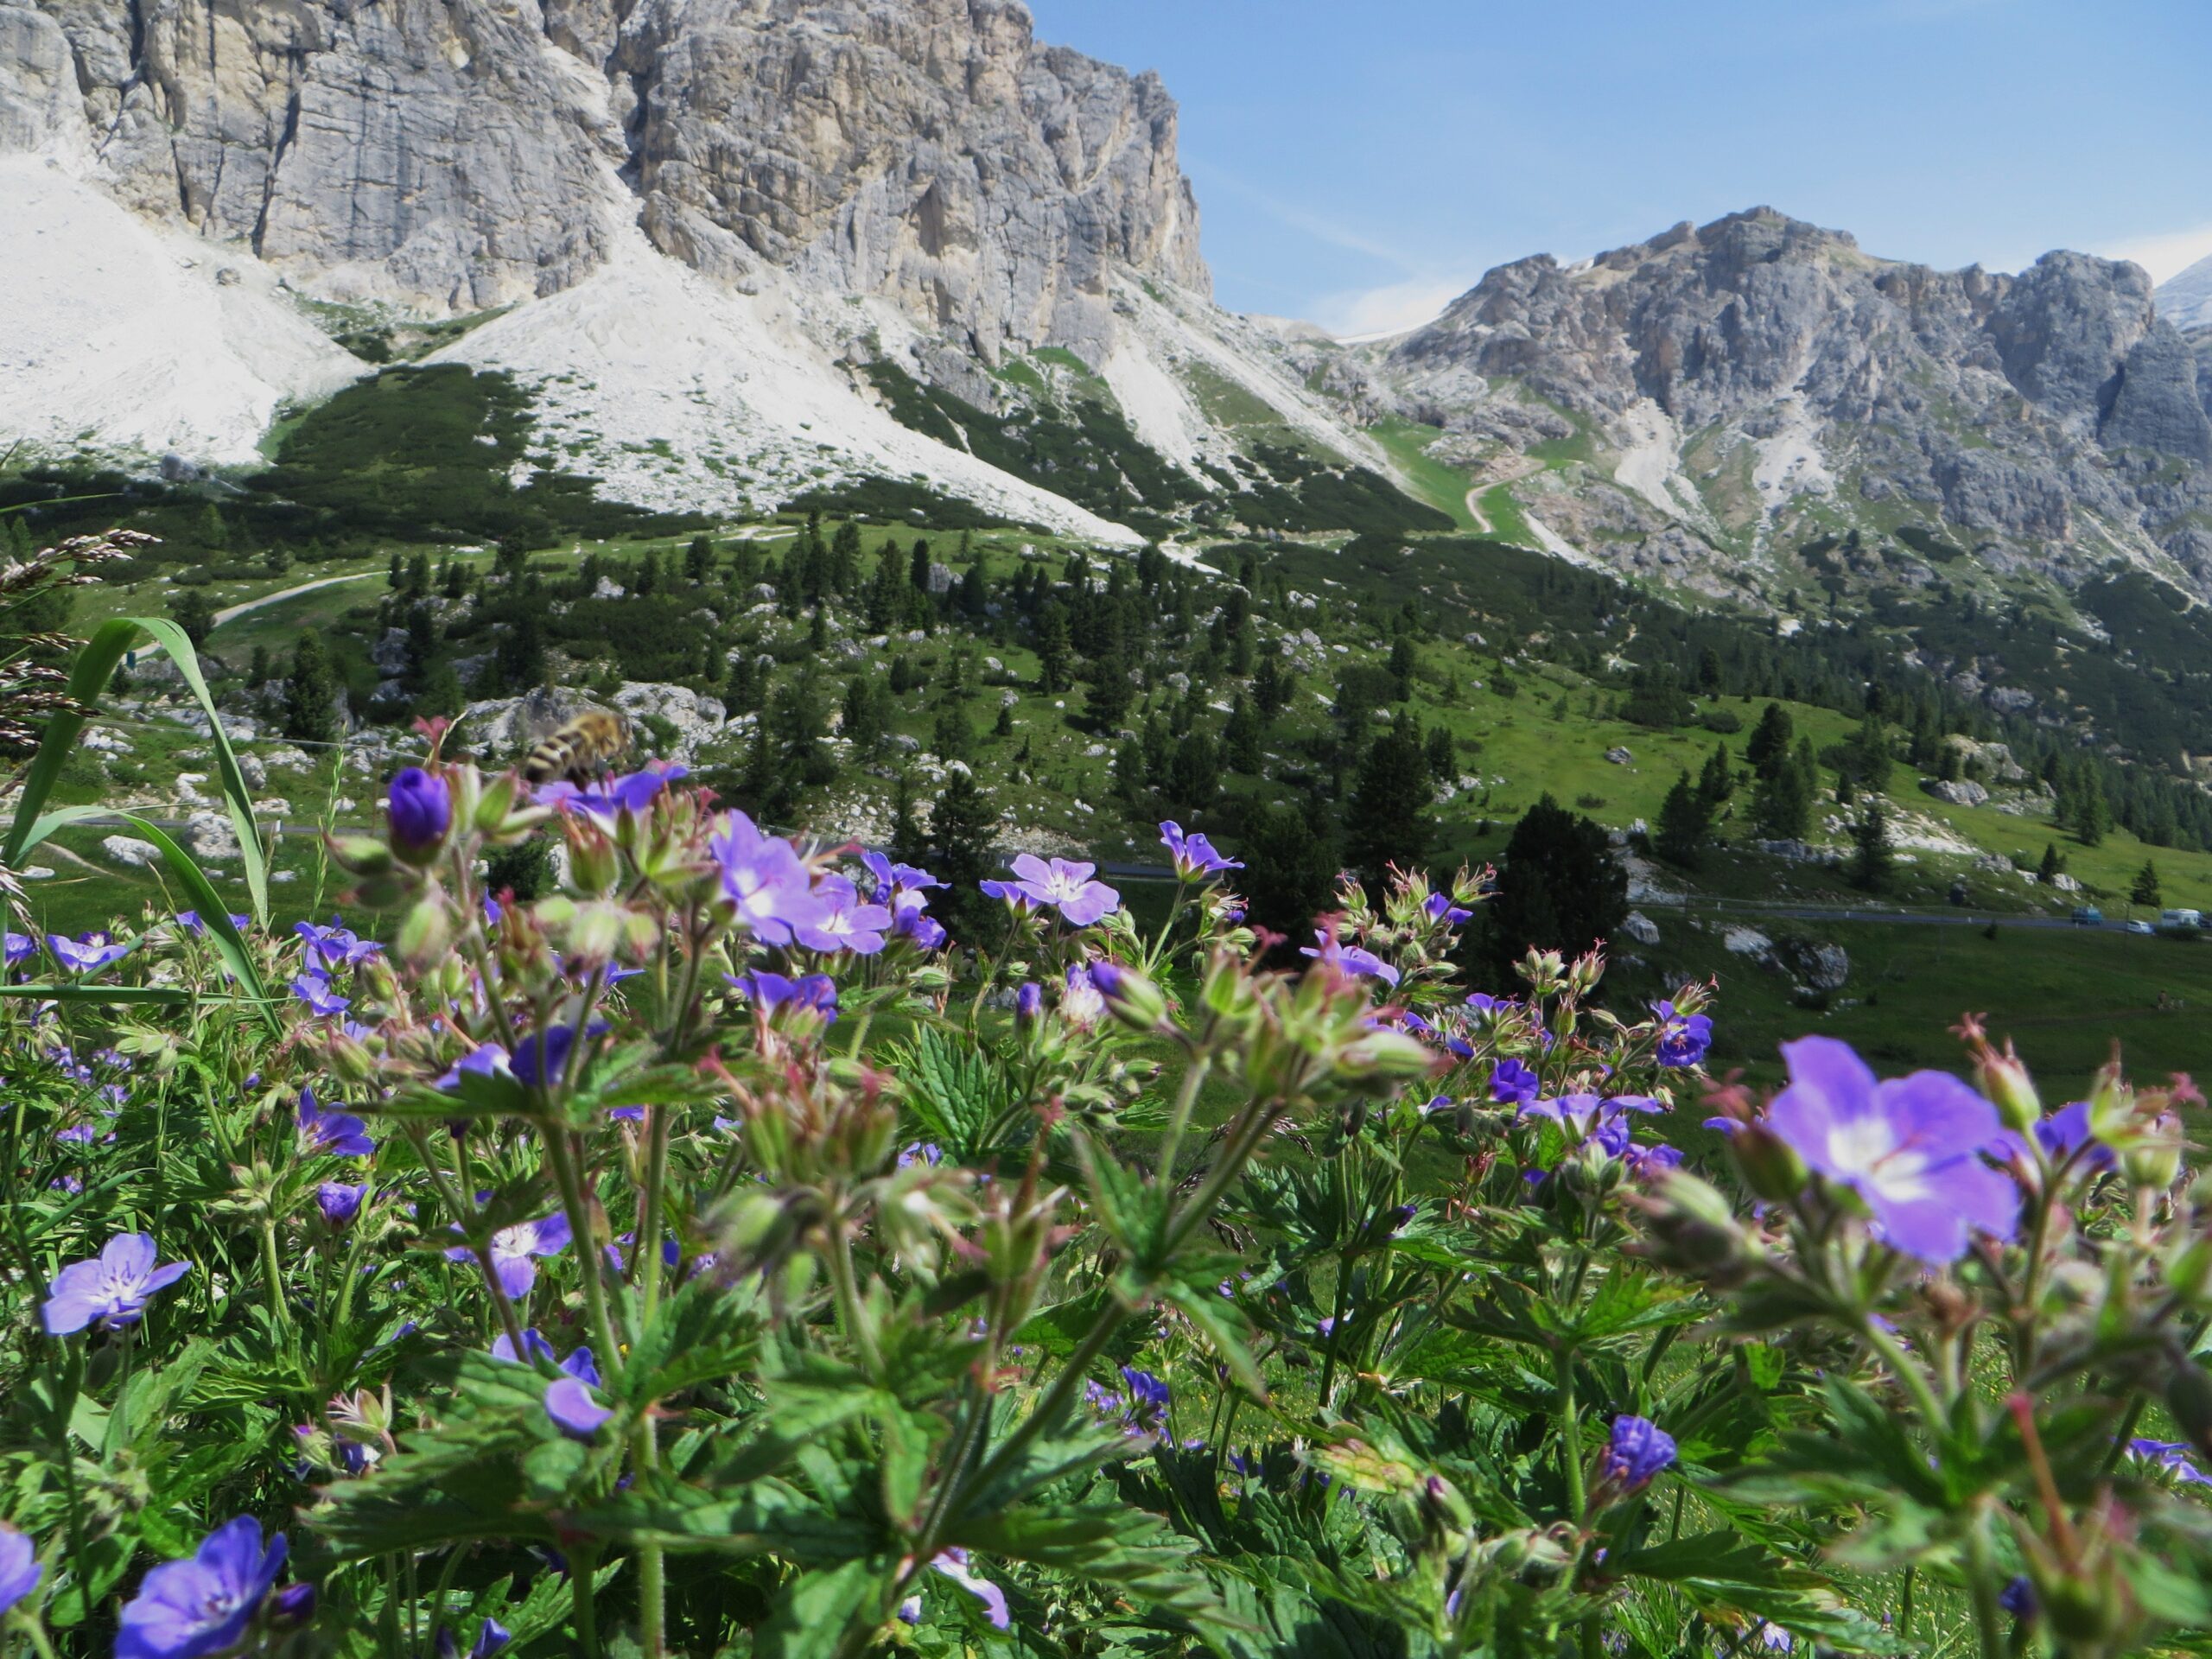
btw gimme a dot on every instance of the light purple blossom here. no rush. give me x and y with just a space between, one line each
490 1060
1908 1147
340 1134
1194 853
633 794
1066 885
573 1410
313 987
1439 908
1012 893
767 992
93 952
580 1364
1348 960
20 947
2172 1456
541 1057
1591 1117
112 1287
19 1569
766 879
1082 1004
953 1563
335 946
203 1605
844 921
515 1250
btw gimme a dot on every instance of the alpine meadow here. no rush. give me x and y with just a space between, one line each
762 900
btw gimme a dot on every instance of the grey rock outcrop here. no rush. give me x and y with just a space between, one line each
459 155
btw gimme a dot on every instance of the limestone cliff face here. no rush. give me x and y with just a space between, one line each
454 155
1759 366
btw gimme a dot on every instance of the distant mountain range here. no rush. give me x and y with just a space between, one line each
743 250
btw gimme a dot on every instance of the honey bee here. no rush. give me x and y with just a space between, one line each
597 737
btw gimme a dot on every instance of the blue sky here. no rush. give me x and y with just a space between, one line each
1360 162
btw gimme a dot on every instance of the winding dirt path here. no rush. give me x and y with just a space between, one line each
230 614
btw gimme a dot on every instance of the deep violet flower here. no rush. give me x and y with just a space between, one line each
633 794
490 1060
491 1636
2173 1456
185 1609
1637 1451
767 992
1908 1147
339 1203
1683 1038
542 1057
340 1134
1351 961
1027 1001
580 1364
333 947
419 808
89 955
1064 884
313 987
1439 908
1194 853
112 1287
1512 1080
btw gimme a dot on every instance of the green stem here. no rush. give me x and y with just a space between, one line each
438 1596
1914 1380
35 1633
272 1270
462 1217
584 1242
1186 1097
582 1566
849 1313
1981 1580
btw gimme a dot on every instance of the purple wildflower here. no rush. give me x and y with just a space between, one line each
340 1134
1010 894
419 808
1439 908
2066 1132
1348 960
1683 1038
490 1060
2018 1598
313 987
1637 1451
1027 1001
20 947
810 993
766 879
541 1057
580 1364
335 946
1908 1147
843 920
339 1203
93 952
923 1154
2172 1456
1082 1004
1148 1398
1513 1080
573 1410
953 1563
634 794
1194 853
185 1609
1064 884
514 1250
113 1288
19 1569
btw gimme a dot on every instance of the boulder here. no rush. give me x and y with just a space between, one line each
1640 928
1620 757
1958 792
209 835
1813 964
130 852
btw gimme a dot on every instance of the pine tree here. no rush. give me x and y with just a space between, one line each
2146 892
1401 664
1871 858
1685 821
1272 687
1108 698
1290 871
1781 807
918 568
698 560
1769 740
1870 761
2052 867
963 826
257 674
1443 755
421 647
1194 774
1718 781
2092 815
193 611
1560 890
1386 820
310 713
521 656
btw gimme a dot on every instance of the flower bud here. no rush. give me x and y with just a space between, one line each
419 807
428 930
593 864
2009 1088
1130 997
363 856
1028 1002
2189 1273
1771 1166
2152 1158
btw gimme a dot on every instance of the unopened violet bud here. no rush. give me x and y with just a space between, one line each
295 1603
1130 997
339 1203
1770 1166
421 810
1636 1453
1028 1002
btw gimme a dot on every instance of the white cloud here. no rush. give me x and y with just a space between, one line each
1390 309
2165 256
